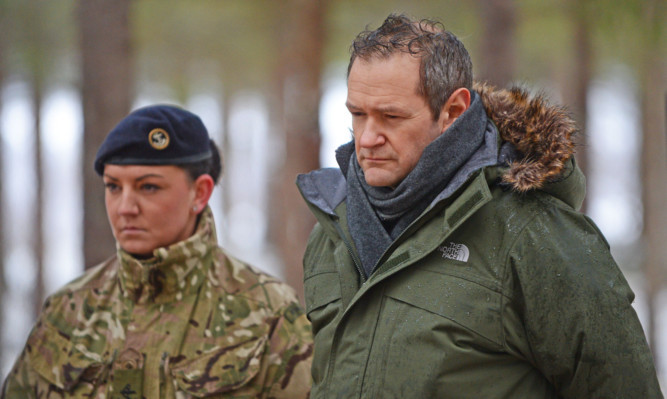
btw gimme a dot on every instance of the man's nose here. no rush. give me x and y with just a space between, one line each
371 134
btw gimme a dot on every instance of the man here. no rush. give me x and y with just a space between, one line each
449 259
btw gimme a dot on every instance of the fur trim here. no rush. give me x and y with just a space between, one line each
542 133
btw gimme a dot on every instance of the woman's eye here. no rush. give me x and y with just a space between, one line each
111 187
149 187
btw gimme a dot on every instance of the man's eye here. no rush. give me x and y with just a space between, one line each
356 113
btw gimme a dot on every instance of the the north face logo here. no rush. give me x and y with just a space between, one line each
455 251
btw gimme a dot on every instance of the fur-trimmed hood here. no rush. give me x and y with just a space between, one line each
541 133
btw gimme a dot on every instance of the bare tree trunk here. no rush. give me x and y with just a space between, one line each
276 117
3 287
302 67
579 79
225 153
107 96
654 161
38 221
498 47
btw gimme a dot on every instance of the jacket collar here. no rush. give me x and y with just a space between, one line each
427 233
173 272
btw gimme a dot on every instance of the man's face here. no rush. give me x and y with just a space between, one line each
392 124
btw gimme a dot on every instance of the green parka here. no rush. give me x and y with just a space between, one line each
500 290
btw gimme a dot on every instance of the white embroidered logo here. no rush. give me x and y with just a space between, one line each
455 251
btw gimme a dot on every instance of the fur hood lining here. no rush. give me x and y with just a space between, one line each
543 134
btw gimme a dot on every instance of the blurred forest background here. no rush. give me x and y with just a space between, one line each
268 79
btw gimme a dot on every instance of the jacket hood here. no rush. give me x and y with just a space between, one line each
539 154
542 134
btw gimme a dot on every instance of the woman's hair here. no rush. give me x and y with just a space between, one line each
211 166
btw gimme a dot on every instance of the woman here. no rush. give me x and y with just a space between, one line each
171 315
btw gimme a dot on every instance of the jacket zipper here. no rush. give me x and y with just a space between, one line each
350 251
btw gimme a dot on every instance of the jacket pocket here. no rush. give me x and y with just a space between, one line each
323 306
322 293
431 327
464 302
61 364
223 370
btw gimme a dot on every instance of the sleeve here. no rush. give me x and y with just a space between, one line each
290 350
576 307
48 366
23 381
19 381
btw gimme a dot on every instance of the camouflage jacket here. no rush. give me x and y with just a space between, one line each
190 322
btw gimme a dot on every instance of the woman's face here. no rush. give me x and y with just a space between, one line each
151 206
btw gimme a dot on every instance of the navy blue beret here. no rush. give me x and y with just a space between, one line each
155 135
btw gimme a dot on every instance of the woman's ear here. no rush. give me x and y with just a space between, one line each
203 186
455 106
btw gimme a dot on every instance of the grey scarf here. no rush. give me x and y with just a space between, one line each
378 215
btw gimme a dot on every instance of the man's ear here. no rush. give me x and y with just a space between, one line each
203 189
455 106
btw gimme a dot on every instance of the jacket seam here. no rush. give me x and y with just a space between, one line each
465 276
506 295
500 344
310 276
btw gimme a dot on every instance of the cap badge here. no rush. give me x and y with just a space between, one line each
158 139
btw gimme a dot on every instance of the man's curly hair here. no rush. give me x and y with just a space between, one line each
445 64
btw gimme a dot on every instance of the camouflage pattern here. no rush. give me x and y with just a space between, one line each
190 322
